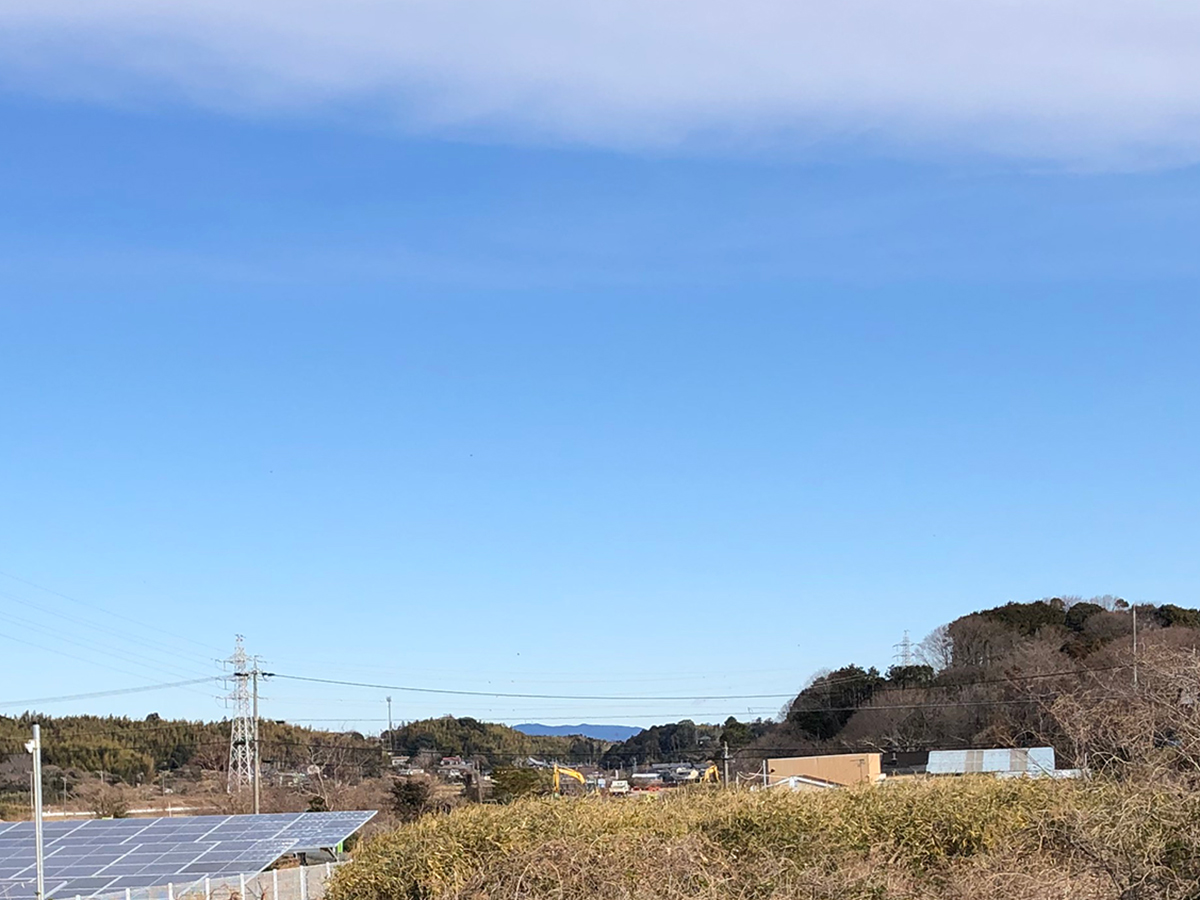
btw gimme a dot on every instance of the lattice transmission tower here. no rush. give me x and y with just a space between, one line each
242 736
904 651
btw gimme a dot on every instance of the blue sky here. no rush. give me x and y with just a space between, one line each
458 402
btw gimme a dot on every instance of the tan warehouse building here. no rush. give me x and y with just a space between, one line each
843 769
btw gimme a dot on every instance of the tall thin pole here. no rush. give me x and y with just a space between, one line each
1135 657
257 747
35 747
391 736
725 760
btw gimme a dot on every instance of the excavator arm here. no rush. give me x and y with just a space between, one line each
559 771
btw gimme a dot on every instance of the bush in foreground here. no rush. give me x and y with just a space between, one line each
959 838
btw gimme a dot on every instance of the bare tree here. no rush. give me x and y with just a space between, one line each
937 649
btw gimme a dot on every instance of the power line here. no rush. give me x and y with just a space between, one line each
143 643
107 612
459 693
113 693
155 666
71 656
695 698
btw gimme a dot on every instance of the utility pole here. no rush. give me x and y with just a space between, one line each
35 747
725 760
391 736
257 746
1135 658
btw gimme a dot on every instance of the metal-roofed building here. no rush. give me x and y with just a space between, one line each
1034 761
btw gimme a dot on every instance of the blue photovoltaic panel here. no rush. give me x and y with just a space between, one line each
108 855
328 831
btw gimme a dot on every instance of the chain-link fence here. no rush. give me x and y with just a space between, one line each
296 883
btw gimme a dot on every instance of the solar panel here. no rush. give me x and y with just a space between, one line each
102 855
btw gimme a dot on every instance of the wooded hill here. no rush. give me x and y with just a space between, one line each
133 751
493 744
78 748
984 679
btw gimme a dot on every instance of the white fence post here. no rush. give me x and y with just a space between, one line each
170 891
303 883
128 894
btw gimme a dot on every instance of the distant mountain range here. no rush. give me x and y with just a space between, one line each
596 732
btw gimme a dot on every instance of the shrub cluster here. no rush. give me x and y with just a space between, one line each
957 838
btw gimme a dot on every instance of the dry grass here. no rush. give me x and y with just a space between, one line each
954 839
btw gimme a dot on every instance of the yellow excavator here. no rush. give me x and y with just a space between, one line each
560 771
711 775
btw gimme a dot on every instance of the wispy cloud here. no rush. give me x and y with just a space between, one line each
1093 82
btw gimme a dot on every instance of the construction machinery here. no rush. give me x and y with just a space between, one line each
560 771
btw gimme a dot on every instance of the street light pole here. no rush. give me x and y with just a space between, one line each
35 747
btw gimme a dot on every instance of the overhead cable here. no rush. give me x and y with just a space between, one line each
113 693
459 693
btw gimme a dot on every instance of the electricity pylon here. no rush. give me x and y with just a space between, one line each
243 735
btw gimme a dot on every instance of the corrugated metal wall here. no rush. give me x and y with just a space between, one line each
1033 760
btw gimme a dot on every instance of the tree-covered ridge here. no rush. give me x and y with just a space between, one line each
495 744
683 741
133 750
980 680
983 679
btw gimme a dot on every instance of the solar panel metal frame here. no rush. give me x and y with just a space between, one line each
85 858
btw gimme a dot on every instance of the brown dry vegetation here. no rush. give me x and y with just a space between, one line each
1130 832
967 838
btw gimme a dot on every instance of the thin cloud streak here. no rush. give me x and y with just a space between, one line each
1105 82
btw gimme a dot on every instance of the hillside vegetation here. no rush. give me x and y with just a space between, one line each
1130 831
492 744
985 679
972 838
76 749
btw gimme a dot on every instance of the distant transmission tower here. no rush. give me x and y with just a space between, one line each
904 651
242 734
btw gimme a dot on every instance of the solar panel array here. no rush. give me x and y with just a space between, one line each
104 855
